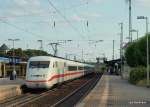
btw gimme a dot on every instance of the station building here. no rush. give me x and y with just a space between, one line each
6 63
3 62
6 67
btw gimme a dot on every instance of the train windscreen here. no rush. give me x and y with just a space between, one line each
39 64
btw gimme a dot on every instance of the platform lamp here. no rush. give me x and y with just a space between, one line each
13 40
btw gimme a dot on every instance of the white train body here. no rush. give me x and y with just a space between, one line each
46 71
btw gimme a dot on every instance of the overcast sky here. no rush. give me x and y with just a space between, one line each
31 20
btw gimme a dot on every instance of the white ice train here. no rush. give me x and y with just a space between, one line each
46 71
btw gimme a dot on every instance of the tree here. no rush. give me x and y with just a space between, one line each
31 52
130 19
135 53
130 55
26 53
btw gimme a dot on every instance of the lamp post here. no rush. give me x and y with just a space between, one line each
13 40
146 18
121 52
130 20
137 32
113 49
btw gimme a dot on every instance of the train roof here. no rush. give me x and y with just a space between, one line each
43 58
37 58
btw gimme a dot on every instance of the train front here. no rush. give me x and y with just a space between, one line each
37 72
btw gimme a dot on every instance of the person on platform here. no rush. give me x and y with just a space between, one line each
14 75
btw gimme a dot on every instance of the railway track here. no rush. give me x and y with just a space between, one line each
22 99
77 95
61 96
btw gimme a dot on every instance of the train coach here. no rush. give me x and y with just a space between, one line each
46 71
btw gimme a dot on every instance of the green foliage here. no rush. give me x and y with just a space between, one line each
135 53
103 68
100 68
130 54
30 53
142 82
137 74
27 53
2 53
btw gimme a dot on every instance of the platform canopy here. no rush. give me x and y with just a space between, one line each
3 59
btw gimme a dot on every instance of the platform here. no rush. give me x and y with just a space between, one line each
10 88
112 91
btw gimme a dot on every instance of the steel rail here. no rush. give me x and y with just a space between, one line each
75 91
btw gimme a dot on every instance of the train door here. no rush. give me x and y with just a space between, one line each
65 69
60 72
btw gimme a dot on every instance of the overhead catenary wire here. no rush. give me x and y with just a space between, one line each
21 29
24 15
65 18
32 13
3 18
83 20
74 6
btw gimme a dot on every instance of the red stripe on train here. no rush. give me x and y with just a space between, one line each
55 76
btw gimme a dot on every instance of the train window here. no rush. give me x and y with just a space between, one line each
72 68
80 68
39 64
87 68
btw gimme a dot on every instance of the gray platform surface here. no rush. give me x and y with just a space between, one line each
10 88
7 81
112 91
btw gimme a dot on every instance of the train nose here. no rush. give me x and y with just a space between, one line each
36 85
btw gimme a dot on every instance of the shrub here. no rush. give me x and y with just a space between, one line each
137 74
135 53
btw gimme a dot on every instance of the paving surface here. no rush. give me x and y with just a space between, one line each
111 91
10 88
7 81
